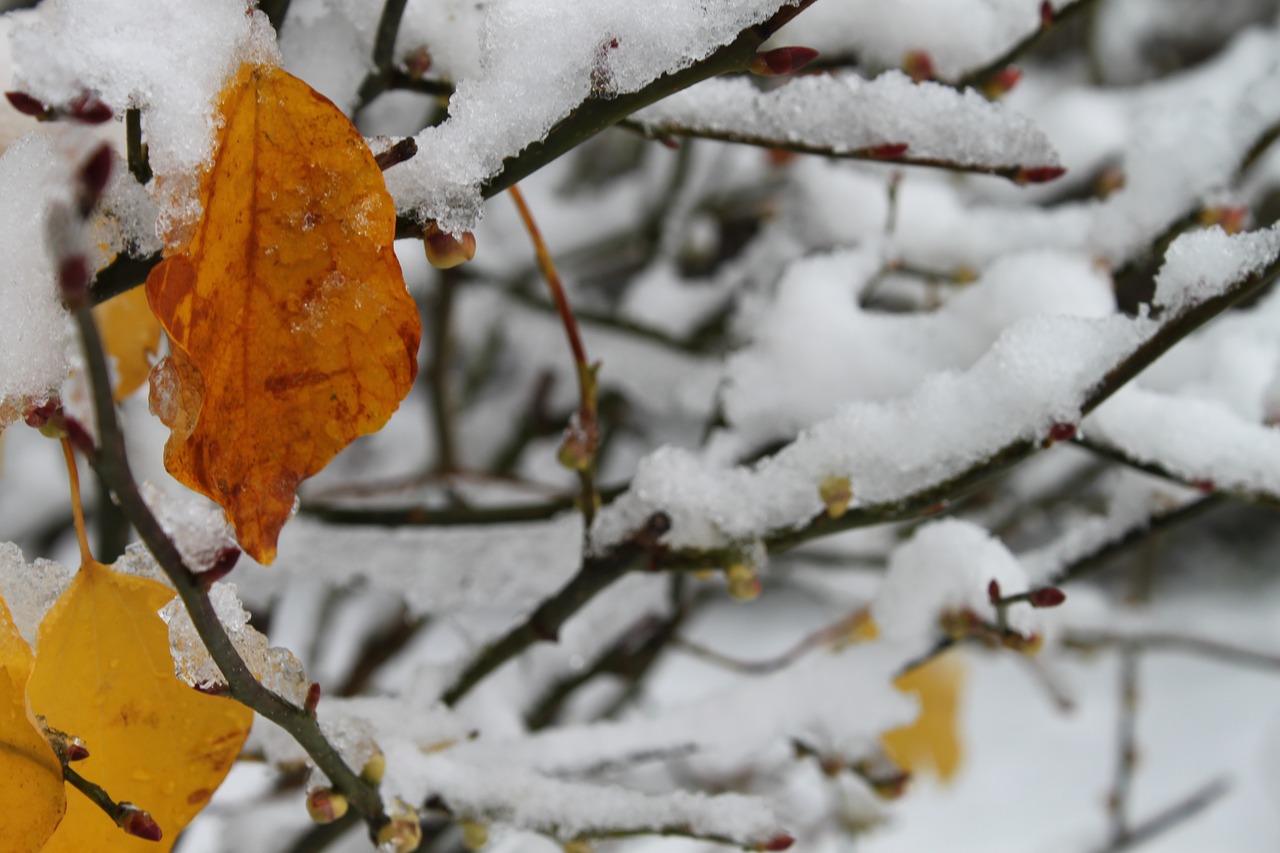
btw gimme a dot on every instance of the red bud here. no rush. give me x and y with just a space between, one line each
94 175
1046 13
89 109
134 821
313 698
919 66
782 60
1207 487
73 278
993 591
27 105
1062 432
1039 174
1047 596
75 750
778 842
1003 82
888 151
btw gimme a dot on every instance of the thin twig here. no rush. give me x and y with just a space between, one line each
893 154
119 812
135 149
384 46
442 404
1089 640
980 77
582 438
1172 816
111 462
1126 746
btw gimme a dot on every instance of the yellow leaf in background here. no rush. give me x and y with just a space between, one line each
130 333
932 742
103 672
290 327
32 797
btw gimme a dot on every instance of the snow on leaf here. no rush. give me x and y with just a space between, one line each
290 326
104 674
843 114
32 798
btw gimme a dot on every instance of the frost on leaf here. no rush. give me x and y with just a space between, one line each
290 328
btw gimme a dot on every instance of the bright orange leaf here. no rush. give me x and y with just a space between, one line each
290 327
103 672
32 798
130 333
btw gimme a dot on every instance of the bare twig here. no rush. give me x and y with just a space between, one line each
384 45
980 77
1126 746
1172 816
1167 641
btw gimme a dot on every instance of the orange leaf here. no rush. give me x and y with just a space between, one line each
130 332
32 798
290 326
104 673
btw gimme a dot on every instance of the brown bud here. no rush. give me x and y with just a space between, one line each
887 151
325 805
312 699
418 62
74 750
134 821
445 251
73 278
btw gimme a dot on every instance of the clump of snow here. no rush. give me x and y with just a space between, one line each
33 323
277 669
605 48
947 566
125 52
844 113
1036 374
1199 440
814 328
30 589
1198 265
197 526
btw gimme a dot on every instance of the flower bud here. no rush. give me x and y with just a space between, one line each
134 821
403 833
1002 82
782 60
375 768
325 805
445 251
836 493
919 66
1047 596
474 835
744 583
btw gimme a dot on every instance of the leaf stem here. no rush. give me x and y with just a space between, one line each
77 505
111 462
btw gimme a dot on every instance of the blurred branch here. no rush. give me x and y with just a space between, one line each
384 46
1089 640
1126 746
443 410
1171 817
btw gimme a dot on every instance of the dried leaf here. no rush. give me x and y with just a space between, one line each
290 326
32 798
103 672
130 333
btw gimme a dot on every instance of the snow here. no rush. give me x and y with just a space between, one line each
947 566
843 113
499 112
30 589
125 53
277 668
1197 264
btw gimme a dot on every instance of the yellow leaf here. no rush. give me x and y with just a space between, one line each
290 327
103 672
130 333
32 797
932 741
